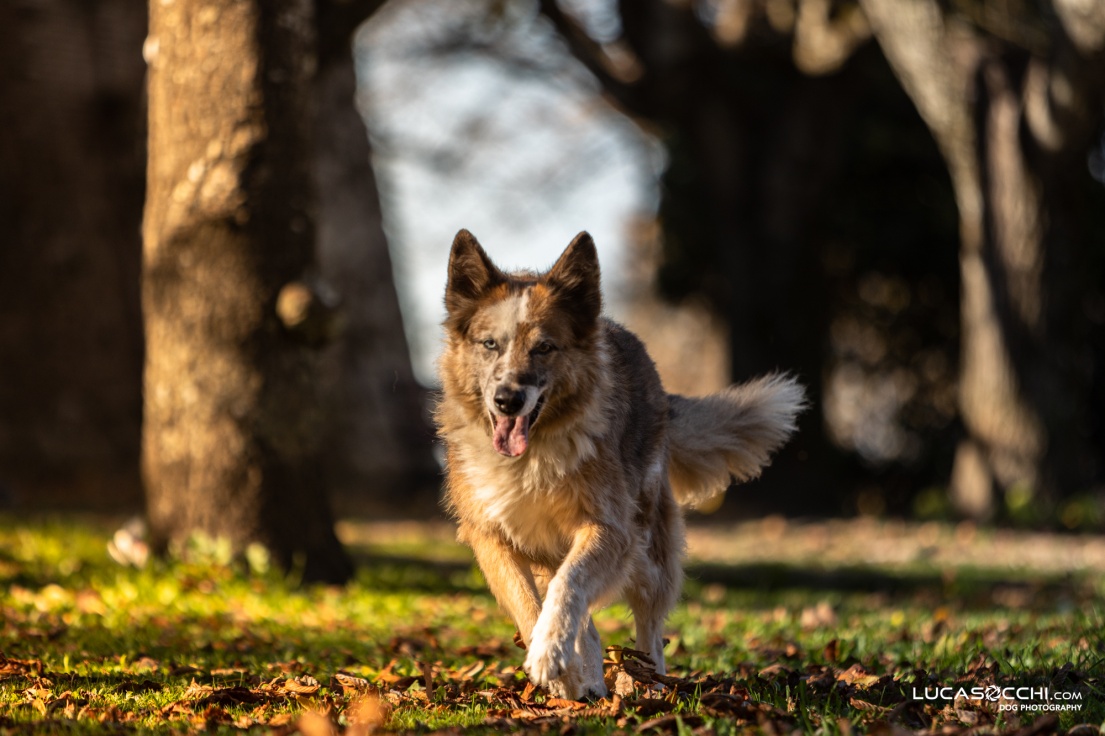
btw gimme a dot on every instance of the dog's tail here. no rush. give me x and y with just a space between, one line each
730 434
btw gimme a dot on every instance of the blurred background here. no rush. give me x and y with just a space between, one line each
900 201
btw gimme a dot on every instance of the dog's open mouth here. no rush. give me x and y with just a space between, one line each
512 433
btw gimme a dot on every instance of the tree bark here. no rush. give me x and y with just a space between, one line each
1012 127
232 420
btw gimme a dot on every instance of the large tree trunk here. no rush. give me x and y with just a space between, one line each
1014 131
232 421
71 187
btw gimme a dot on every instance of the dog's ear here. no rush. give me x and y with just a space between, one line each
471 273
575 280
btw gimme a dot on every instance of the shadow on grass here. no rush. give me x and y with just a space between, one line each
969 588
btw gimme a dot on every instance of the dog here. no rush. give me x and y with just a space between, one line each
567 463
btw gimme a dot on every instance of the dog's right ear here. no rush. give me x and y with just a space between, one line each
471 274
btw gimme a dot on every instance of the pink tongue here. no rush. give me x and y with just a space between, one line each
511 435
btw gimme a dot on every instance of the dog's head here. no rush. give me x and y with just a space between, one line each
515 335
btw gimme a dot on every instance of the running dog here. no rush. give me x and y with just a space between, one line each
567 463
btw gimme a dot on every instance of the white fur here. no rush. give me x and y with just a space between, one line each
505 315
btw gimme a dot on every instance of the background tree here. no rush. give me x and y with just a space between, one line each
73 180
379 437
1014 95
71 188
803 196
755 104
232 421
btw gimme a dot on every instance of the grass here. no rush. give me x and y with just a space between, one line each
417 644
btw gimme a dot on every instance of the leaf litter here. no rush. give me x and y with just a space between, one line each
640 700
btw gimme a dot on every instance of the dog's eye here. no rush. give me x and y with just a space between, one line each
544 348
490 344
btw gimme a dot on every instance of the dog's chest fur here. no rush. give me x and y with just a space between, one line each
536 501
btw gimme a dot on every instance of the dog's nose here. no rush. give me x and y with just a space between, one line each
508 400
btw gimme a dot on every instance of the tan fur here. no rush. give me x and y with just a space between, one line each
729 435
586 513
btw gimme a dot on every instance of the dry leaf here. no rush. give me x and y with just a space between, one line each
367 714
351 685
313 723
302 685
561 703
858 676
820 616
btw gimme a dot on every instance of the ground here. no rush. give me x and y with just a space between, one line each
834 627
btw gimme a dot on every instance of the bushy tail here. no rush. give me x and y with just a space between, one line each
730 434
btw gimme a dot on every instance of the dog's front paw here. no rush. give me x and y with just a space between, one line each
572 685
548 657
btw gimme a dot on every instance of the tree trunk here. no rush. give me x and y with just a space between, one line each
71 189
379 438
232 420
1012 143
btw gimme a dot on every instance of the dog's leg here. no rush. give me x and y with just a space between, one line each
649 618
657 581
510 578
589 649
593 567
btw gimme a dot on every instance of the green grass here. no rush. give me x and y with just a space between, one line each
92 647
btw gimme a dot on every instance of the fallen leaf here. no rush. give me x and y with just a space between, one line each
672 723
470 672
865 706
649 706
19 667
367 714
313 723
858 676
301 685
145 664
351 685
130 686
725 705
620 682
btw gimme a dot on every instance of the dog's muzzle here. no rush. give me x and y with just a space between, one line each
516 409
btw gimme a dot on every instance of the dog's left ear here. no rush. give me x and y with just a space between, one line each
575 279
